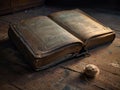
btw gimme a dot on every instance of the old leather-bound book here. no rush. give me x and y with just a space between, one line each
45 41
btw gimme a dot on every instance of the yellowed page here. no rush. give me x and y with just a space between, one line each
80 25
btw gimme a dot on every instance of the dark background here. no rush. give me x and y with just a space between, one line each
108 4
10 6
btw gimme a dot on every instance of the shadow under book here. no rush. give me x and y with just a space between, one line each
47 40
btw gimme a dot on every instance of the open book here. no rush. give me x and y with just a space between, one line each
47 40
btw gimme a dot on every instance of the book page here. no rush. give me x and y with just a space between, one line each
79 24
44 35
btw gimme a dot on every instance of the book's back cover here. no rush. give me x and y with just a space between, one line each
42 41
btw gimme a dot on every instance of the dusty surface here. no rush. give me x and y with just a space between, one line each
15 73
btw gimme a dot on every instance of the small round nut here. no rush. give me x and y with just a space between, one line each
91 70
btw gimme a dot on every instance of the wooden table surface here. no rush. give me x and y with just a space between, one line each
16 74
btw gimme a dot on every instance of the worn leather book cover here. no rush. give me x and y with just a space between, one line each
43 42
84 27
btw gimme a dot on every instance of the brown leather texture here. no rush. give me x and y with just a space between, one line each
42 41
81 25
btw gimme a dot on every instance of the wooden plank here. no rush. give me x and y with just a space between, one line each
8 87
43 80
109 77
105 80
54 79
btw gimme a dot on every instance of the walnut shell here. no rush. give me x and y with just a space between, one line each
91 70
